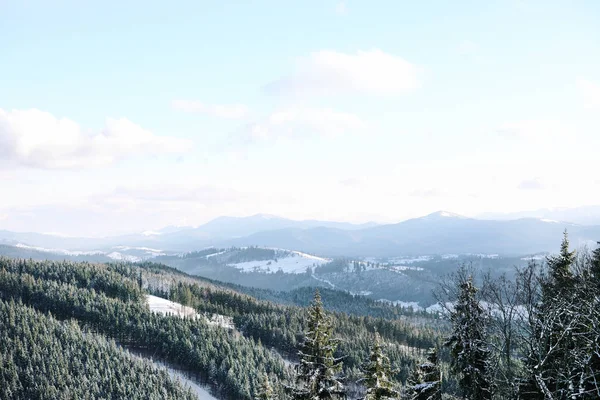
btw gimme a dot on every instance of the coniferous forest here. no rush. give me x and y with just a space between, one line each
68 330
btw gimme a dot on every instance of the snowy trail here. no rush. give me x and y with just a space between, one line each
176 374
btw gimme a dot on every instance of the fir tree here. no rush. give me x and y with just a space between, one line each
426 380
468 344
317 373
377 374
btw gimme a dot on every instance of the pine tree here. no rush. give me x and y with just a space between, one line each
265 391
377 374
468 344
317 373
426 379
559 267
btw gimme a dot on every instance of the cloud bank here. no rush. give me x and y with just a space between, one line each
38 139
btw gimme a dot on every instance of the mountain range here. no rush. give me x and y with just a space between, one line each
438 233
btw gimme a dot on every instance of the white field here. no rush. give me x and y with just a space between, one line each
168 307
295 263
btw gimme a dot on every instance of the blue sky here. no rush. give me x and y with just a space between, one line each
124 117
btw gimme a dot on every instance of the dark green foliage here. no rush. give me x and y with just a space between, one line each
468 344
42 358
317 374
378 374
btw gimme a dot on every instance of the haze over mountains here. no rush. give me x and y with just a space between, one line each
438 233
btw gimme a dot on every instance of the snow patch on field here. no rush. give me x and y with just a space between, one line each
168 307
115 255
216 254
295 263
60 251
165 307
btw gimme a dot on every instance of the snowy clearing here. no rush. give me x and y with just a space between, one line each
295 263
168 307
60 251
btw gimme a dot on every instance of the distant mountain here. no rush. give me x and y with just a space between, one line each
587 215
228 227
438 233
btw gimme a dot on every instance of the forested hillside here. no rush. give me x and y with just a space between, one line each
108 300
532 335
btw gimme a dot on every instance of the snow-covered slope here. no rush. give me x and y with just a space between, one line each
294 262
119 253
168 307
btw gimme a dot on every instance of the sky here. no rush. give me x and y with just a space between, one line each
125 116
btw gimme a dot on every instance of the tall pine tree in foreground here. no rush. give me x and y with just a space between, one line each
317 374
550 364
377 374
426 382
468 344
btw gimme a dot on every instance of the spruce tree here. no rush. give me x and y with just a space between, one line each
560 277
426 381
265 391
317 374
377 374
556 331
468 344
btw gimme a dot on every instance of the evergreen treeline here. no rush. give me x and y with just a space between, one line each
281 327
228 361
42 358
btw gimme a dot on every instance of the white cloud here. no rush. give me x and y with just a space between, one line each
340 8
36 138
331 72
227 111
590 92
296 122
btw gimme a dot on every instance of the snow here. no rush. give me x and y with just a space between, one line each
151 233
536 257
404 304
163 306
167 307
115 255
295 263
216 254
324 281
201 392
59 251
157 252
